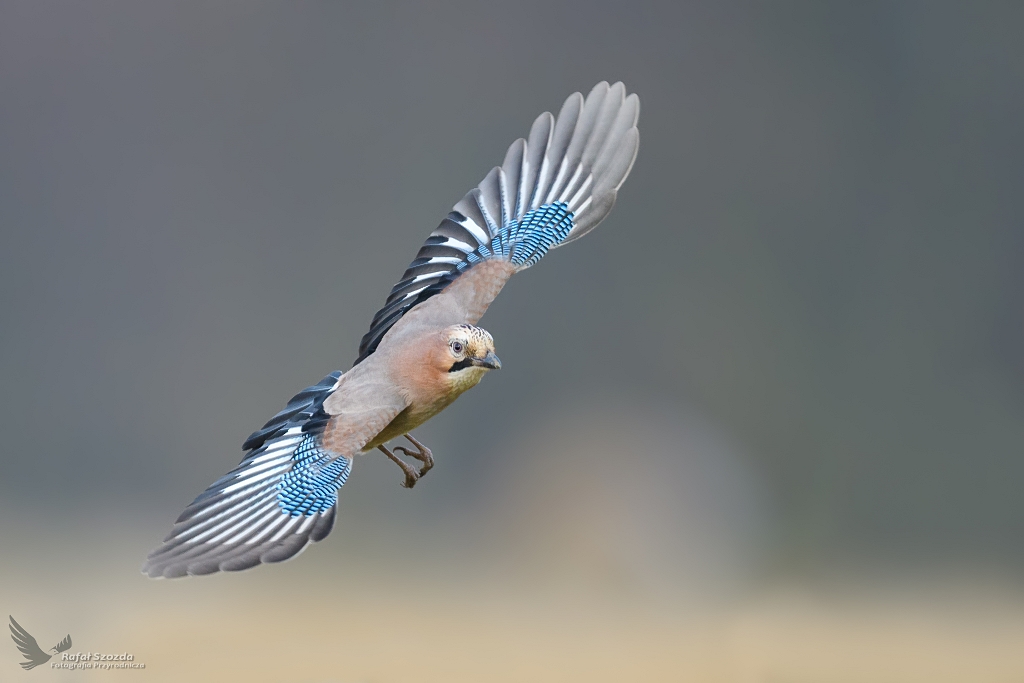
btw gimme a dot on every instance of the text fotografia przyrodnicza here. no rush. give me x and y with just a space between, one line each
97 660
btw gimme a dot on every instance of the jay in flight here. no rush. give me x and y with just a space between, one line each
423 349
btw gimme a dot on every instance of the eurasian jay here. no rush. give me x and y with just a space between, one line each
423 349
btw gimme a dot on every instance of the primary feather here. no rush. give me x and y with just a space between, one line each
279 499
553 187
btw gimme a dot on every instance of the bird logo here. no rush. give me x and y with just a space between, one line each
30 648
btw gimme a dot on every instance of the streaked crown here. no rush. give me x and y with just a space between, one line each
476 340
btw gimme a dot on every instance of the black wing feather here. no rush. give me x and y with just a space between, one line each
578 160
299 409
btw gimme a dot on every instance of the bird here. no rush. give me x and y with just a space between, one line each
423 349
30 648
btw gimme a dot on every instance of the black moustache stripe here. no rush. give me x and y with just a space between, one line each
461 365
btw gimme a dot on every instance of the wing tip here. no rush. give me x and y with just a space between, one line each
165 563
582 156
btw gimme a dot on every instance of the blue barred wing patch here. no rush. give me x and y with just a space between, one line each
311 486
553 187
459 243
279 499
526 241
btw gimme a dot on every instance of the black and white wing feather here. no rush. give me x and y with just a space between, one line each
280 498
553 187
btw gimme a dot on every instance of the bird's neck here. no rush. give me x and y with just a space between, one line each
463 380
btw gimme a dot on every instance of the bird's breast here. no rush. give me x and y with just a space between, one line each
425 405
408 420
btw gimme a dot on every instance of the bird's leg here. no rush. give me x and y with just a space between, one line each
422 454
411 475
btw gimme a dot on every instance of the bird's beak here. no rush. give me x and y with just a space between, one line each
490 361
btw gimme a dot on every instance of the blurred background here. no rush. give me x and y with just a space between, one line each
786 444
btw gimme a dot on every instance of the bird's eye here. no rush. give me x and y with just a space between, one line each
457 348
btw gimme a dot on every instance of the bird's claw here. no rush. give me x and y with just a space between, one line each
422 453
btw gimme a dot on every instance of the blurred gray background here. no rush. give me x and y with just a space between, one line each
794 349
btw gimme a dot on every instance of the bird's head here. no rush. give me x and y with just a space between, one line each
468 347
467 355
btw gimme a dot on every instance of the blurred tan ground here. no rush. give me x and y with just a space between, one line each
323 620
634 550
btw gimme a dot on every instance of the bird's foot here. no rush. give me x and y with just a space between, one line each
411 475
422 453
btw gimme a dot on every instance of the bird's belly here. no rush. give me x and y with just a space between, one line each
408 420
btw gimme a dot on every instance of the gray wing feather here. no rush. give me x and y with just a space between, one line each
581 158
511 169
280 498
565 126
536 144
283 495
489 195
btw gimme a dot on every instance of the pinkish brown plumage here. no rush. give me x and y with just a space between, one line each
423 349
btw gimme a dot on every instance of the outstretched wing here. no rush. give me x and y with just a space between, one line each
63 645
27 645
283 494
551 189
